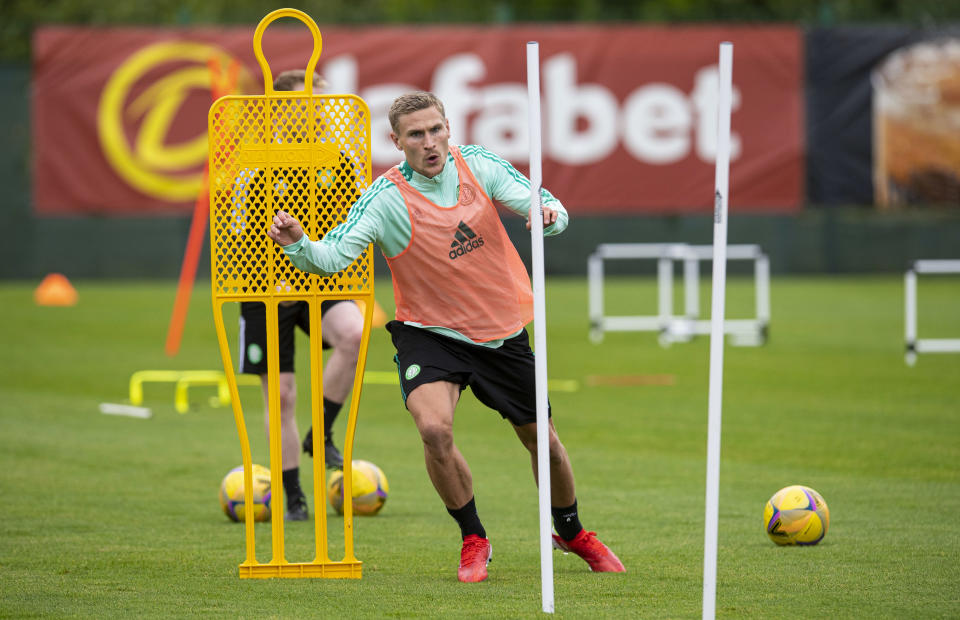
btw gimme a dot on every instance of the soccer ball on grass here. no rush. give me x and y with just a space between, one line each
231 494
796 515
370 489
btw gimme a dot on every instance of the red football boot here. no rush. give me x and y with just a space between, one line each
474 556
596 554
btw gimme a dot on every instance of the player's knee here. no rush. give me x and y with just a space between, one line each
348 337
530 443
436 438
557 451
352 337
288 399
558 454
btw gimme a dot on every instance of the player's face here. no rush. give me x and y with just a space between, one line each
423 136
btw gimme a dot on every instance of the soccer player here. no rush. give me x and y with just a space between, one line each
463 297
342 331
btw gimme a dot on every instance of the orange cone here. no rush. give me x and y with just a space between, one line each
379 316
55 290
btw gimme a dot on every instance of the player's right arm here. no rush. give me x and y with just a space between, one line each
380 217
327 255
286 229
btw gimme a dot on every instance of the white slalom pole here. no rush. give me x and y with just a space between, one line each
715 408
540 328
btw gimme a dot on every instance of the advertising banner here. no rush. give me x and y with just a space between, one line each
629 112
883 115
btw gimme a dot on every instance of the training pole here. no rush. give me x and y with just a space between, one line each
716 330
540 328
220 86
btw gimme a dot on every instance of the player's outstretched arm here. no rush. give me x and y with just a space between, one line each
505 184
286 229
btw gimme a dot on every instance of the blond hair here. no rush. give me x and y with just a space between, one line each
288 79
413 102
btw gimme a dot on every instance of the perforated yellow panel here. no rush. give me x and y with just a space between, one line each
308 156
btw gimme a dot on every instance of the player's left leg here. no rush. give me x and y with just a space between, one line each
289 443
562 487
342 327
570 536
342 330
253 328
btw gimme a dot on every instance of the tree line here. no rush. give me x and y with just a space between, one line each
18 18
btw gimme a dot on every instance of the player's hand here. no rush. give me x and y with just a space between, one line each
549 217
286 229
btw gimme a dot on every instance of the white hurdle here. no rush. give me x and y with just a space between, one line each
925 345
672 327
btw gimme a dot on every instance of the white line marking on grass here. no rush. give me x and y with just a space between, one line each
125 410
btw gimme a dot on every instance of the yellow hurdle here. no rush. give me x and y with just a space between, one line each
181 400
140 377
310 156
184 380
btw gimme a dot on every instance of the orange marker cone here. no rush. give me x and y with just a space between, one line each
379 316
55 290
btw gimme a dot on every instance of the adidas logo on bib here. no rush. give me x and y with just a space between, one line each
465 241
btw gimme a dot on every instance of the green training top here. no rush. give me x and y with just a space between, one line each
381 217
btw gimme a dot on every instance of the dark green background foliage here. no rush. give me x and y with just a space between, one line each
18 17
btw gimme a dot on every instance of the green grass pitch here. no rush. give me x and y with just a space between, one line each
118 517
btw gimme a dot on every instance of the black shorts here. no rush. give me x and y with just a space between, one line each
503 379
253 333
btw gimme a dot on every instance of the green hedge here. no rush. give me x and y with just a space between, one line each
19 17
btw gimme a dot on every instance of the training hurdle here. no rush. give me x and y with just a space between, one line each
925 345
183 380
672 327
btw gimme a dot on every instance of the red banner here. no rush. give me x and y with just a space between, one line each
629 112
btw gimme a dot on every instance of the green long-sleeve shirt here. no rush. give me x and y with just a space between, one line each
380 216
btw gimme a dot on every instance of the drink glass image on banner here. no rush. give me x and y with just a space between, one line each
916 121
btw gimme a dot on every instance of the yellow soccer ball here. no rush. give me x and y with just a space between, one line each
370 489
796 515
231 494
